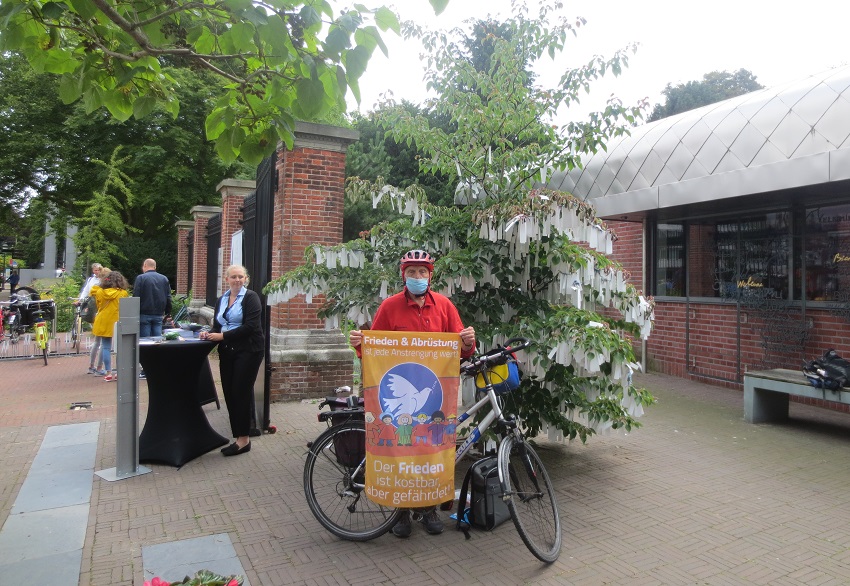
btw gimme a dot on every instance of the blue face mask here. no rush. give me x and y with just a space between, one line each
416 286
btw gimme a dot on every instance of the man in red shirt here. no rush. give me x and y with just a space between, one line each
418 309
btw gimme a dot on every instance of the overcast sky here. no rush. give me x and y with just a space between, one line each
679 42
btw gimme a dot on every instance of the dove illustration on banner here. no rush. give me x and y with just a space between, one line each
410 388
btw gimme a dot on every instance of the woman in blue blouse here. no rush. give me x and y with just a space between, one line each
238 329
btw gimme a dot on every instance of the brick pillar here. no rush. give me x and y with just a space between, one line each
201 215
308 361
183 229
233 193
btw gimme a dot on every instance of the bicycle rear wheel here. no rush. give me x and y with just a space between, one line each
530 498
334 476
76 334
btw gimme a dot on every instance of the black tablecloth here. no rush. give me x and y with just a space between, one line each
176 428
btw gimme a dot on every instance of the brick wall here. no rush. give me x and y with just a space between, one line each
183 229
308 210
201 215
233 193
295 381
631 257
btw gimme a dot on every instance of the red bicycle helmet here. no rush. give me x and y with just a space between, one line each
416 258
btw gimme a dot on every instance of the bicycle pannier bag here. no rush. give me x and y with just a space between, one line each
350 446
488 510
88 309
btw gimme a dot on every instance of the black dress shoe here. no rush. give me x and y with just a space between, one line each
234 449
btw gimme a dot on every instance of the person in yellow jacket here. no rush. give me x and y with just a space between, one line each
112 288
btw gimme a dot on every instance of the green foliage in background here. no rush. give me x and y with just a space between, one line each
279 61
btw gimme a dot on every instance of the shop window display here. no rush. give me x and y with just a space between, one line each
822 255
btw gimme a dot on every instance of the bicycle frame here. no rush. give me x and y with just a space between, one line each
478 431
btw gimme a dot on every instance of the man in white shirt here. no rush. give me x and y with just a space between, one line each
94 279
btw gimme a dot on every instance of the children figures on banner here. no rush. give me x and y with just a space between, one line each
408 431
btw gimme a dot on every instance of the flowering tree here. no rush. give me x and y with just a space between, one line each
516 259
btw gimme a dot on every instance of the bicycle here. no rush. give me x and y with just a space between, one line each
334 471
185 315
5 314
42 335
76 326
16 317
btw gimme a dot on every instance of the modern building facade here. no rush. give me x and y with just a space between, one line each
736 218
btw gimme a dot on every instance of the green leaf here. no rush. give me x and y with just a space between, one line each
92 98
253 153
386 19
439 5
276 35
237 137
224 148
84 8
54 10
143 106
59 61
311 97
356 61
256 16
206 42
172 106
119 105
337 41
69 89
214 124
242 36
310 17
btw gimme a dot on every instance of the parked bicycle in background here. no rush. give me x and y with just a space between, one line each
24 314
184 315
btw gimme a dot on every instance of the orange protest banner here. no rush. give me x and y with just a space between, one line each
410 384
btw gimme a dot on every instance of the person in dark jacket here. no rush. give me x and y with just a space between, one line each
154 293
14 279
238 329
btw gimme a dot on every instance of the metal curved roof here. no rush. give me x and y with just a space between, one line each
777 138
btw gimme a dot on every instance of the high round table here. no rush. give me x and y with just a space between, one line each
176 429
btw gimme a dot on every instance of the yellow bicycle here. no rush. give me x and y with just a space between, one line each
42 335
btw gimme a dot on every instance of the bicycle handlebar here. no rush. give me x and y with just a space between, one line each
495 356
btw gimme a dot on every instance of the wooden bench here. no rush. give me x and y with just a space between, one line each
767 392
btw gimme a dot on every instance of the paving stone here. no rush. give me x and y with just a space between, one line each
694 496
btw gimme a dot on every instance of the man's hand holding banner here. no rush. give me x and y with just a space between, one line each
410 383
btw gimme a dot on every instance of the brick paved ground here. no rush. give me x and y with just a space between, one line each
696 496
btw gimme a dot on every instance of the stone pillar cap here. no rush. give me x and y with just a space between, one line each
205 211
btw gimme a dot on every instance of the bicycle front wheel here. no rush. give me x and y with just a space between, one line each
334 477
530 498
41 341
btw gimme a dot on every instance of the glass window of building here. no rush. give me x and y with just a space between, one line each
822 255
670 260
726 259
